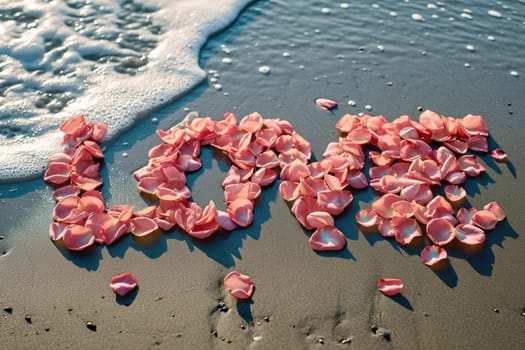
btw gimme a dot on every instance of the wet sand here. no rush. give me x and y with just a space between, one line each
303 299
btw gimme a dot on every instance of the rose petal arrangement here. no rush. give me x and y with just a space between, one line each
411 161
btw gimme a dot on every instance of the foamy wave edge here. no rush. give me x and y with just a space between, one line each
172 70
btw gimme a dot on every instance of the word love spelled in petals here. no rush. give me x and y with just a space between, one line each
406 171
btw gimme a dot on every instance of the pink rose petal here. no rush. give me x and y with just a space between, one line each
224 221
474 125
239 285
142 226
334 202
241 211
432 255
325 103
123 284
56 231
496 210
302 207
470 234
65 191
366 217
327 238
383 205
57 173
498 155
465 215
485 219
77 237
390 286
440 231
455 193
319 219
405 229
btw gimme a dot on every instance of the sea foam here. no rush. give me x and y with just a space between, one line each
114 61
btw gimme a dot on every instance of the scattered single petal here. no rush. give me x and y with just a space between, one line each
325 103
239 285
390 286
123 284
433 254
498 155
327 238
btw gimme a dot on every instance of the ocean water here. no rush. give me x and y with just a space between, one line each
118 61
112 60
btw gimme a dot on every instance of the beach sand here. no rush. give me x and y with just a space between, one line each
303 299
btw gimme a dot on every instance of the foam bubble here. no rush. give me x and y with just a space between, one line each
494 13
114 69
417 17
264 70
